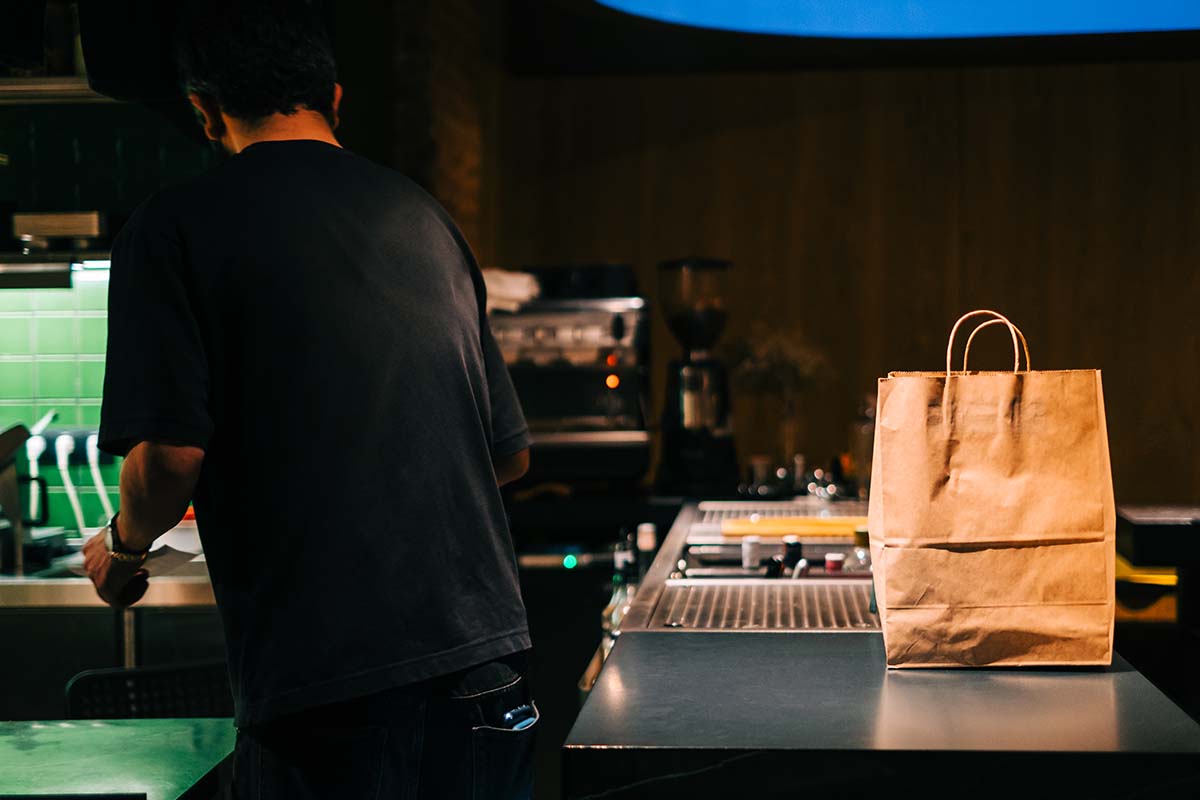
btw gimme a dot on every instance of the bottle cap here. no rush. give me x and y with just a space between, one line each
750 555
647 537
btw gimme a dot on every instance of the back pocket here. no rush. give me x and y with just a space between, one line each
502 761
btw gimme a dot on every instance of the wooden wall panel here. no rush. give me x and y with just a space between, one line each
866 210
1084 220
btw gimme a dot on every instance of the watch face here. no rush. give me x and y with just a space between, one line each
112 538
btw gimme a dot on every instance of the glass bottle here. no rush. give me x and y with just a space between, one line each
858 561
624 586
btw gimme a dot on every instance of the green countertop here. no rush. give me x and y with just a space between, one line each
159 758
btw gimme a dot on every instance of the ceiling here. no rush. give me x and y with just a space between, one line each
586 37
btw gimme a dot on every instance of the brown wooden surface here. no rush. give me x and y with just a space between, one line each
866 210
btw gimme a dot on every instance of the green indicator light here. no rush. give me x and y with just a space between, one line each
570 562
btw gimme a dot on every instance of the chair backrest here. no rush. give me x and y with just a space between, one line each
193 689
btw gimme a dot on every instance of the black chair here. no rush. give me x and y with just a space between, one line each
194 689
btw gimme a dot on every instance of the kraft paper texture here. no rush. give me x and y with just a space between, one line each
992 520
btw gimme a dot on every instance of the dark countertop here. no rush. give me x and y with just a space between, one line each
708 712
159 759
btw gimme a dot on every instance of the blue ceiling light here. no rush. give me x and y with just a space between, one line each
921 19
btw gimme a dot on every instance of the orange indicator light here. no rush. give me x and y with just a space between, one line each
611 360
612 381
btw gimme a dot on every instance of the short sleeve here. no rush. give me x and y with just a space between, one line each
156 371
510 433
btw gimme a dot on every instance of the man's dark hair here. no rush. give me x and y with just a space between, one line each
255 58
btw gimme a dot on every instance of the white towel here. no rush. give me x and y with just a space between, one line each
508 291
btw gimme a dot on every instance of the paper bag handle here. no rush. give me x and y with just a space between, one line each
998 318
981 326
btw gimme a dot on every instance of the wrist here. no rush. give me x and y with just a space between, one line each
117 549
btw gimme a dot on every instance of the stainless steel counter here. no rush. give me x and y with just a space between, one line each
712 713
709 714
664 603
166 592
170 591
833 692
652 586
188 587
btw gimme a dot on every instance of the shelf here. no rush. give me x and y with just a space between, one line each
45 270
48 89
54 257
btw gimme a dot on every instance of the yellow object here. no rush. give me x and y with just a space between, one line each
804 527
1148 576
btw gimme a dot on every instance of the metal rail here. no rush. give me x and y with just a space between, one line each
650 591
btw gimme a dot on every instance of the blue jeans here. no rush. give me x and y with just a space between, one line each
445 738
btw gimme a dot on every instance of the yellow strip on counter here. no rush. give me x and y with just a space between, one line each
1147 576
804 527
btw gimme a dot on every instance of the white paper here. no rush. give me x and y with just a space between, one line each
163 560
166 559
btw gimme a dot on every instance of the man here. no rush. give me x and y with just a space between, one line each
297 342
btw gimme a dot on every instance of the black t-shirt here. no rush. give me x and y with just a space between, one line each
316 323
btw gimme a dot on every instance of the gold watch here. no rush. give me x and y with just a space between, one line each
112 541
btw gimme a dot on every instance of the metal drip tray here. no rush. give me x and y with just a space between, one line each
765 605
711 511
697 581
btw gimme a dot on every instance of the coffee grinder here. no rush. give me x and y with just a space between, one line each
698 455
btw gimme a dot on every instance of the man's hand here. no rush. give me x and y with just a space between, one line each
157 481
118 583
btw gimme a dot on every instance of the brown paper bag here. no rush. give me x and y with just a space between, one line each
991 515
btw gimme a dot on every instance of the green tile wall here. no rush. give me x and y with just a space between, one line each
109 157
52 357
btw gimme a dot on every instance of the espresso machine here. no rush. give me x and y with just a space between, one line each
578 359
698 455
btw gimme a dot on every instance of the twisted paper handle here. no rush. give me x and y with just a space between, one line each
998 319
981 326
